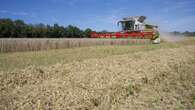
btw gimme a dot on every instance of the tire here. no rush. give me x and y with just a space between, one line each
156 41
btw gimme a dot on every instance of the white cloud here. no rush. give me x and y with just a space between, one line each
180 6
20 13
176 16
3 11
67 2
176 24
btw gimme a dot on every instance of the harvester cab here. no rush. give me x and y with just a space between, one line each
133 27
132 23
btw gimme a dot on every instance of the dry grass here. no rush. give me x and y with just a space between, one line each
15 45
19 60
152 77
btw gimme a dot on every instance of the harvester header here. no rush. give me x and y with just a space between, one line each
133 27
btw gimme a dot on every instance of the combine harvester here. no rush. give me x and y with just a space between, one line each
133 27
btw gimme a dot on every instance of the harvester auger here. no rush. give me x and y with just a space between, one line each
133 27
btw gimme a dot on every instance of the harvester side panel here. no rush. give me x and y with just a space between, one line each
135 34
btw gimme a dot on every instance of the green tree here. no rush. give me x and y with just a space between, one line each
87 32
19 28
7 28
57 31
73 32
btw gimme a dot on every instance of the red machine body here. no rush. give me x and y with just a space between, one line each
132 34
132 27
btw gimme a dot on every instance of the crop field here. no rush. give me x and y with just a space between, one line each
111 77
26 44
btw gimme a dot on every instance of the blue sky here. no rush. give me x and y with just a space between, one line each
170 15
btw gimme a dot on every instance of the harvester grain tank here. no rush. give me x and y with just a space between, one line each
133 27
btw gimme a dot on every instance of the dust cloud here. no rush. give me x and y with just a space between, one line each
166 36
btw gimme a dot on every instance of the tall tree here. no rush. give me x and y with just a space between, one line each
7 28
19 28
87 32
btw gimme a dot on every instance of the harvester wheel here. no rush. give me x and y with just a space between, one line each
156 41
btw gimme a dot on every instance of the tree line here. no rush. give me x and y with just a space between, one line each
19 29
186 33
